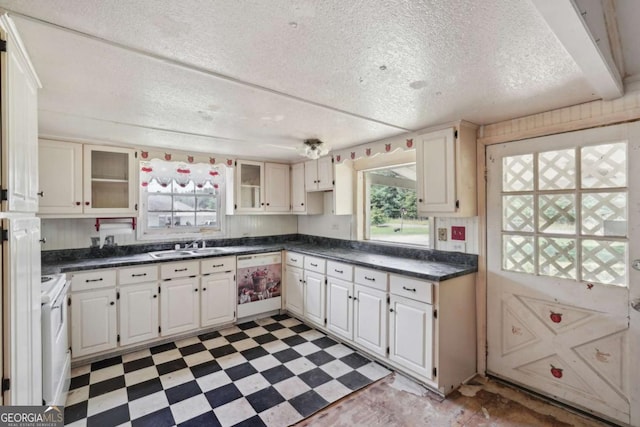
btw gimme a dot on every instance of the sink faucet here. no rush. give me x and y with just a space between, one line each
195 243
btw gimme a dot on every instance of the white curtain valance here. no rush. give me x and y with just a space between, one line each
164 172
371 149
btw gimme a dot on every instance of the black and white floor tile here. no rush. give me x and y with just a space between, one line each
274 372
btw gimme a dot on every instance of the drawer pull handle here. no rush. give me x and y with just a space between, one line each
177 270
294 260
339 271
373 279
139 275
93 280
217 265
313 265
409 289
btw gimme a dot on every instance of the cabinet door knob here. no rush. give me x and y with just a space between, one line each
78 203
349 297
40 193
391 310
196 290
420 200
301 204
204 289
87 203
112 303
267 204
155 296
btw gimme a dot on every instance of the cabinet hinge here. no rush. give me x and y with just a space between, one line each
136 206
325 280
486 172
235 206
4 235
332 160
234 314
435 371
6 384
135 154
159 329
235 163
69 301
333 182
388 300
118 338
4 195
457 204
325 320
455 134
3 45
159 289
234 277
435 314
387 351
117 295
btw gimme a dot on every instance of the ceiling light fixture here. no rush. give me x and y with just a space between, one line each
313 149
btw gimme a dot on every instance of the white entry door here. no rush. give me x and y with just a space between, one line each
563 226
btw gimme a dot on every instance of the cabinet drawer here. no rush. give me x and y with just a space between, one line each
415 289
218 265
147 273
314 264
372 278
340 270
93 280
294 259
179 269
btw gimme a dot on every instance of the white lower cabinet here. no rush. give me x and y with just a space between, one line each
411 335
370 319
138 313
340 307
94 321
314 297
179 305
218 299
294 282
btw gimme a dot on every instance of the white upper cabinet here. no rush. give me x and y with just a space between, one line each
277 196
261 187
78 179
109 180
301 201
446 166
61 177
319 174
19 105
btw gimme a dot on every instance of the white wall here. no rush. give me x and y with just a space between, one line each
77 233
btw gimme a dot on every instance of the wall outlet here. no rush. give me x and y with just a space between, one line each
442 234
458 246
335 227
458 233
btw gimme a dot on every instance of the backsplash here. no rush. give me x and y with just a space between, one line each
76 233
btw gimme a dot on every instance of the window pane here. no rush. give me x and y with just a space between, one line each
557 214
604 165
517 173
517 213
557 257
184 203
184 219
206 203
159 219
517 254
604 262
604 214
557 170
156 202
208 219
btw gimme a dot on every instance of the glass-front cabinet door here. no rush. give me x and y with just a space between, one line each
249 186
109 186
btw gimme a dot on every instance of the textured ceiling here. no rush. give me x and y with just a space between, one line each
254 78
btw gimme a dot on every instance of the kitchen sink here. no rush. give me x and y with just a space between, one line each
180 253
171 254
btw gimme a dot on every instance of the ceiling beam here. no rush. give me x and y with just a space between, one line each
566 20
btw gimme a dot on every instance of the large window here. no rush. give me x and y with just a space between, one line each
180 199
391 206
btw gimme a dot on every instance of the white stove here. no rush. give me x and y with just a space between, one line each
56 355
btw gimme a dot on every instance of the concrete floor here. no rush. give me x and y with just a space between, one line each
398 401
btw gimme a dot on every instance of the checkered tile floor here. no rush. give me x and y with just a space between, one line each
274 372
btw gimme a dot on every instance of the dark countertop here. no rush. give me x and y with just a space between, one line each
419 268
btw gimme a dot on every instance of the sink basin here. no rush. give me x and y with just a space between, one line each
171 254
186 252
207 251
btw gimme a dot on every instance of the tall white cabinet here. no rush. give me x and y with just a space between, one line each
21 359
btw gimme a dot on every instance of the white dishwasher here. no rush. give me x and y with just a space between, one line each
259 279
